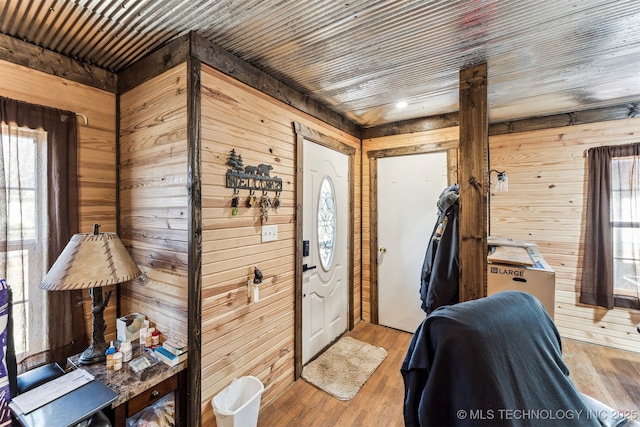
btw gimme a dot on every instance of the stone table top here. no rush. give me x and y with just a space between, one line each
125 381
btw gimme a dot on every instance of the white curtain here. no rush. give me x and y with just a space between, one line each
18 229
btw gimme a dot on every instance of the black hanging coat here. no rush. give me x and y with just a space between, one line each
441 267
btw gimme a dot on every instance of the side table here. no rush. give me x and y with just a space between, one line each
137 391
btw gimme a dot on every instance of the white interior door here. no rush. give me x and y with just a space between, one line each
408 190
324 223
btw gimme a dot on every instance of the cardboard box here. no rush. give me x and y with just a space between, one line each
128 327
538 280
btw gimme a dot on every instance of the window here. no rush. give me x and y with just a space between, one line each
39 170
326 222
625 222
611 260
24 158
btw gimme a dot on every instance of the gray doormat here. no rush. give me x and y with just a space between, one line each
344 368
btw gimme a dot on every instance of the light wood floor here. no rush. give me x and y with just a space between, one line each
609 375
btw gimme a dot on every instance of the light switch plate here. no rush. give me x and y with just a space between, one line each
269 233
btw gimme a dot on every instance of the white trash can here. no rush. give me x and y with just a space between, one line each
238 404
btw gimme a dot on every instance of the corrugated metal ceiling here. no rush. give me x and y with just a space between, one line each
360 57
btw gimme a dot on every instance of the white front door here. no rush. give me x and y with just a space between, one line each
324 226
408 190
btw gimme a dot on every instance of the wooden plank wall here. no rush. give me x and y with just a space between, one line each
97 147
239 338
154 197
545 203
418 141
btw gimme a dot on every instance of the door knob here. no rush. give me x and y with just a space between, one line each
383 250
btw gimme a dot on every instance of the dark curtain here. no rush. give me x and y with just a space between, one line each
597 286
67 331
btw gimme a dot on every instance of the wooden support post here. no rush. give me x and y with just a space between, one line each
473 180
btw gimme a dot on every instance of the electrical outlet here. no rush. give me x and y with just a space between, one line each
269 233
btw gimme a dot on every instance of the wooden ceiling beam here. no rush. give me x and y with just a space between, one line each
214 56
628 110
29 55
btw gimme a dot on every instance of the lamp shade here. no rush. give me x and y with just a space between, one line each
91 260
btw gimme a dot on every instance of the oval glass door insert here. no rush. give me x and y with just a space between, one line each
326 223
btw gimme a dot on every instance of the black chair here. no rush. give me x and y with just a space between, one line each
36 377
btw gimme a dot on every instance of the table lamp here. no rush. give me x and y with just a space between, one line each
90 261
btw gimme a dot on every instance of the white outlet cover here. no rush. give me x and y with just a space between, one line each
269 233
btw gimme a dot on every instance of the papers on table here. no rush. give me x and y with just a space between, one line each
50 391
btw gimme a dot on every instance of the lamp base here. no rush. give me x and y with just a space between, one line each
95 352
93 355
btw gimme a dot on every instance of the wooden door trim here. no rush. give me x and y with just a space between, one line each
451 147
303 132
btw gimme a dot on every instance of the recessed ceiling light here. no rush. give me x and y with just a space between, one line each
401 104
